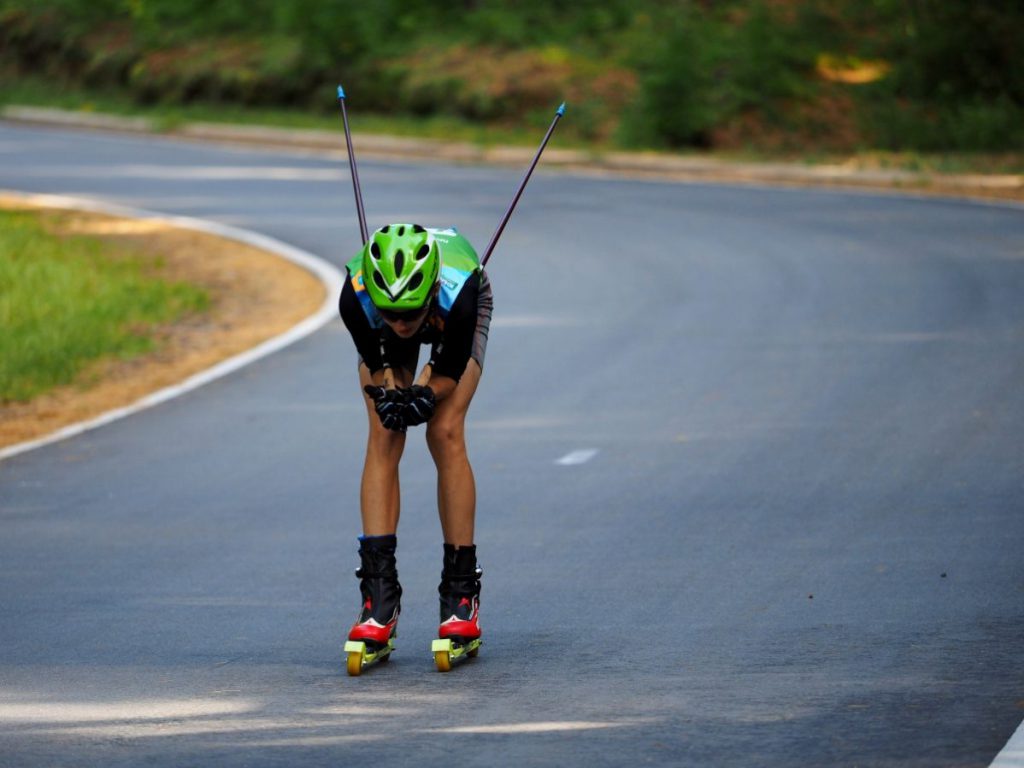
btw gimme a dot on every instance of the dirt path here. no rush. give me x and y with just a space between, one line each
254 296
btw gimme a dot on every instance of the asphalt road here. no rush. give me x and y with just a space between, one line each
798 542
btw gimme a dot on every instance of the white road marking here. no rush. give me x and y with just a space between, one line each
520 422
200 173
545 727
577 457
328 274
534 321
68 713
1012 755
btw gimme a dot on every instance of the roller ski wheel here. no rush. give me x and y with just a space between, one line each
447 652
359 655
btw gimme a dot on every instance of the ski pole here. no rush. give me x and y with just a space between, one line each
522 185
389 375
352 164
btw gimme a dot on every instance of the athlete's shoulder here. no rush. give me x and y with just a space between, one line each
456 251
355 264
459 263
355 277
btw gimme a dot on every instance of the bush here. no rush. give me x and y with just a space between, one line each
494 85
249 72
957 78
675 105
715 67
971 126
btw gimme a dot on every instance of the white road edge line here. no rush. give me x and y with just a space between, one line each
1012 755
327 273
581 456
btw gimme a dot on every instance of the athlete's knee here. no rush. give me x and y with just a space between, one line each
386 444
446 435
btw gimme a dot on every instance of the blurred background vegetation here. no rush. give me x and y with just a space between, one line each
752 75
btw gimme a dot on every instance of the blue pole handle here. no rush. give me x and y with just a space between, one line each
341 93
560 111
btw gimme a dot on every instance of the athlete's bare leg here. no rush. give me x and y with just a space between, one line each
446 438
379 494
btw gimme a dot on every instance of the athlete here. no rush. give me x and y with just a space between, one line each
411 286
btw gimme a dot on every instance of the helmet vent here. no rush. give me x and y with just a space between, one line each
384 229
418 229
378 279
401 231
375 249
423 252
399 261
416 282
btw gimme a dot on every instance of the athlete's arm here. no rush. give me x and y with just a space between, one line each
367 340
451 354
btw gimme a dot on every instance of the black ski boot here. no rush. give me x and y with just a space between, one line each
372 637
459 632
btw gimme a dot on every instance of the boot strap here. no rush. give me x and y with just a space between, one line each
363 574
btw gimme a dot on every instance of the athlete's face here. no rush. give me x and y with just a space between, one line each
405 324
404 329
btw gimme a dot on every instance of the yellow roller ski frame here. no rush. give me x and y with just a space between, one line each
359 657
446 652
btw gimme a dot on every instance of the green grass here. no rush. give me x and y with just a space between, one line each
66 302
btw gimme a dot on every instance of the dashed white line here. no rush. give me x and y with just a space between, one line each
581 456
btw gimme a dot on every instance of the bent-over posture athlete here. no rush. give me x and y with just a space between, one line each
411 286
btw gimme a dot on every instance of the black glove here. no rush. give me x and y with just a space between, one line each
420 404
390 405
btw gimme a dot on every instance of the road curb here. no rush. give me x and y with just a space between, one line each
331 278
1012 755
638 165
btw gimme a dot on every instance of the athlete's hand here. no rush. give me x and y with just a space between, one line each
390 405
420 404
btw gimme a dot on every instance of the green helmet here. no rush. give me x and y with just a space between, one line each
401 263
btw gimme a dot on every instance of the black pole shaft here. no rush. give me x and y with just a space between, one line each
355 173
519 192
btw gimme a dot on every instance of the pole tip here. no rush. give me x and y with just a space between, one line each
561 110
341 92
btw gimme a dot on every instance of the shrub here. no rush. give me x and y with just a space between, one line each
494 85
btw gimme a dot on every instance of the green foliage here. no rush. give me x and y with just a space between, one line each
494 85
979 125
712 66
668 72
958 76
955 51
65 304
675 105
770 59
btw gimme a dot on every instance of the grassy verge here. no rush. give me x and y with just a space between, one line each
68 301
38 93
884 160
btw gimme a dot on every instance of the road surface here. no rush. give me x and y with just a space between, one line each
751 490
